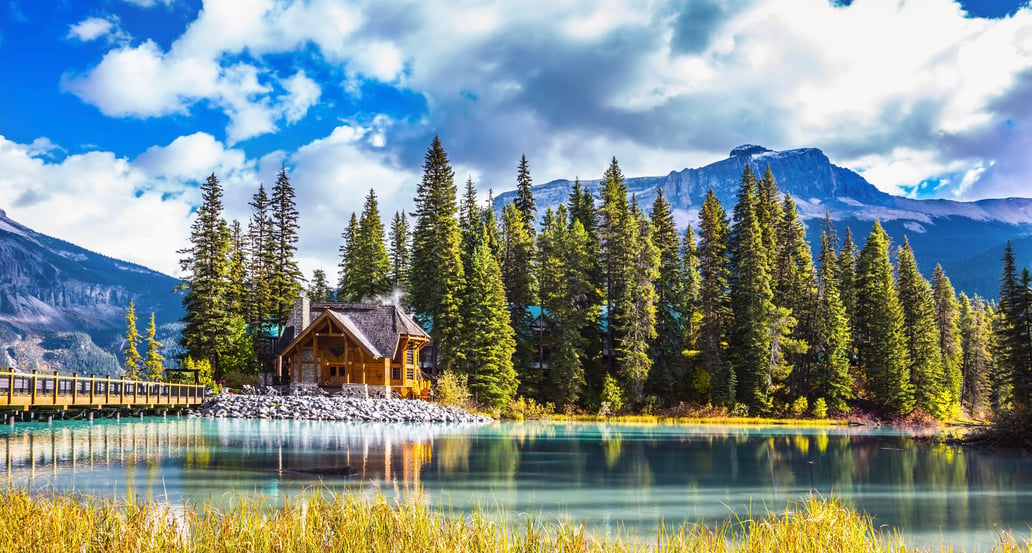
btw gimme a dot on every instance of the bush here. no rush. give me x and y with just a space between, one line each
820 408
527 409
237 380
612 397
740 410
452 390
799 406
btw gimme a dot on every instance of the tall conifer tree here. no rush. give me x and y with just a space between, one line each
153 361
259 268
831 331
130 353
370 267
399 252
672 314
520 278
714 302
436 277
947 319
922 336
638 306
347 281
977 347
751 306
524 200
205 267
285 276
616 230
880 342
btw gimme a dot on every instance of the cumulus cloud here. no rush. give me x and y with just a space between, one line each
91 29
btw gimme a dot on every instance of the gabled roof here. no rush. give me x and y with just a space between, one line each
377 328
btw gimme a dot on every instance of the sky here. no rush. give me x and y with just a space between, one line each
112 112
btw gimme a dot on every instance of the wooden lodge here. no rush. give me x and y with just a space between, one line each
370 349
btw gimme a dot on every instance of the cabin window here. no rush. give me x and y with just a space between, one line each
410 355
395 373
333 371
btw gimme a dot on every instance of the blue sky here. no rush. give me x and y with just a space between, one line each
112 111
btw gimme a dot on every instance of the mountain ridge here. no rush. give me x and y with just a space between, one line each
61 303
943 231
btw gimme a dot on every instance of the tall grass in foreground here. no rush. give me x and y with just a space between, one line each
319 522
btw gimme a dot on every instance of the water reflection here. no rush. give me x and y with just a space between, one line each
612 477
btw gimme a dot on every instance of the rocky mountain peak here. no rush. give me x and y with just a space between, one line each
748 150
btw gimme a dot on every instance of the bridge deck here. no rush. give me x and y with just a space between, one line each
23 392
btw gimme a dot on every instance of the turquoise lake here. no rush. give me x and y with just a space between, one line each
614 478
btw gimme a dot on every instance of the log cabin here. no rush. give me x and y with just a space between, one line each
370 348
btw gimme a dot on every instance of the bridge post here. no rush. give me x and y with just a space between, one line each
33 387
75 387
56 382
10 388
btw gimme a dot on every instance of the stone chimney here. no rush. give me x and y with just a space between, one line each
302 314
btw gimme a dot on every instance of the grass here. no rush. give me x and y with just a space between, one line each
325 522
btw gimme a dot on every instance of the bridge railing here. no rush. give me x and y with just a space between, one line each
36 389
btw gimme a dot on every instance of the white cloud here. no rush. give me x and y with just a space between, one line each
91 28
302 93
150 3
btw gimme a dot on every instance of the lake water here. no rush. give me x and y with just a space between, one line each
613 477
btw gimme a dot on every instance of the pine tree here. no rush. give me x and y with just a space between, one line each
133 361
922 336
319 290
638 308
285 276
369 266
153 362
847 280
831 331
205 269
494 233
519 277
769 214
490 343
751 303
879 340
237 271
977 347
347 280
947 319
582 210
399 252
616 230
262 259
672 314
436 276
697 383
714 302
524 200
563 260
795 289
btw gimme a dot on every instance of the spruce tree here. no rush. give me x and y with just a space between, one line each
285 276
831 331
847 280
769 213
489 343
239 294
638 309
880 344
153 361
205 268
436 277
977 347
319 290
582 210
563 261
931 390
672 315
259 268
398 252
524 200
947 319
520 278
369 265
130 353
616 230
697 382
795 289
347 279
751 306
714 302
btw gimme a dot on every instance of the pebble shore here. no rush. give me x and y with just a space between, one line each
331 408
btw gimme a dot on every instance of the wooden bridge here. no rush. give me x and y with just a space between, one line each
35 391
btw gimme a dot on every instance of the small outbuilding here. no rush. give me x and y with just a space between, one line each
371 349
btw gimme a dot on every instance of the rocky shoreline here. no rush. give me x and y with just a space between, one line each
331 408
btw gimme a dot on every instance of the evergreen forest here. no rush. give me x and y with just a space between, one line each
603 305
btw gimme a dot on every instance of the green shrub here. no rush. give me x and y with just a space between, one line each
740 410
527 409
799 406
820 408
612 397
452 390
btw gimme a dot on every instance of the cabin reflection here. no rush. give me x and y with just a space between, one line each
231 453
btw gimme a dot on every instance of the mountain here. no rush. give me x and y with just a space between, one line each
967 238
63 307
